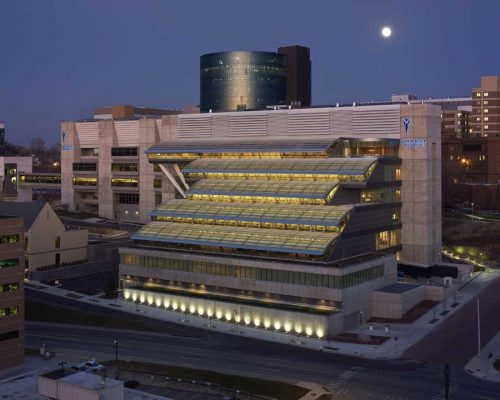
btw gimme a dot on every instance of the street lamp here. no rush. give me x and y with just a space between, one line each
115 342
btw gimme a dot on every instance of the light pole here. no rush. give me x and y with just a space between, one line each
478 331
115 342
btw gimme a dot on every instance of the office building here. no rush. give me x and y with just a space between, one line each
298 75
288 220
11 293
10 168
104 168
47 243
471 172
241 80
254 80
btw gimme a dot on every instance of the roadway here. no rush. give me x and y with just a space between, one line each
349 378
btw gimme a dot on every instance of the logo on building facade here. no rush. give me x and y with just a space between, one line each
406 124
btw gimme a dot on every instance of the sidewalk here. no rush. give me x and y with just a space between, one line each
401 336
482 366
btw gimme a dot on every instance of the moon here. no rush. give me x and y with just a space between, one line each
386 31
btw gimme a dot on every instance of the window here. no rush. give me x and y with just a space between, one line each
485 102
12 238
124 167
89 152
128 198
57 243
486 118
9 287
84 167
157 183
5 312
124 152
127 182
84 181
486 94
478 94
9 262
486 127
9 335
486 111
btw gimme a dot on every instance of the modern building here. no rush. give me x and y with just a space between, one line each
254 80
47 243
242 80
104 168
288 220
298 75
11 293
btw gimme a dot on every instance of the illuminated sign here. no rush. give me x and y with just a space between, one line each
413 143
67 147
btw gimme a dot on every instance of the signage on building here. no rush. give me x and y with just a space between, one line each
413 143
67 147
406 124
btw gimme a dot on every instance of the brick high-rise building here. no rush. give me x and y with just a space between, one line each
11 293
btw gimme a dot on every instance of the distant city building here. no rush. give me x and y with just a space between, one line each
241 80
11 293
122 111
253 80
2 139
298 75
47 244
288 220
10 168
471 172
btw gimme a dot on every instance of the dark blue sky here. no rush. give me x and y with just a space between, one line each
62 58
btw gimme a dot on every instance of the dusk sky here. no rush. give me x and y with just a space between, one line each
62 58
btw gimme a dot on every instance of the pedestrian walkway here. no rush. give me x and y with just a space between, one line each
482 366
400 336
315 390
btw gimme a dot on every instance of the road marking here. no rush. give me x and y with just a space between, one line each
337 385
440 396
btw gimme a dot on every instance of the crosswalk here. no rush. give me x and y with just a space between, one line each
337 385
453 389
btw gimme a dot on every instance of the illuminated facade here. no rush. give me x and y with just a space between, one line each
274 235
288 220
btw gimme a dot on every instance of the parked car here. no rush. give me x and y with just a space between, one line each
91 366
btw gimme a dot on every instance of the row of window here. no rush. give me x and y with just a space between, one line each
9 287
124 152
124 167
128 198
260 274
80 166
12 238
124 182
9 262
5 312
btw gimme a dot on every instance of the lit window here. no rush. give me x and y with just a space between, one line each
485 94
478 94
478 119
486 111
486 118
451 158
470 130
485 102
486 127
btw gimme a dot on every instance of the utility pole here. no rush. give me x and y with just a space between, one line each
478 331
446 374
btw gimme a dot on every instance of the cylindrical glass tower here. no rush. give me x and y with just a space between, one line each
242 80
